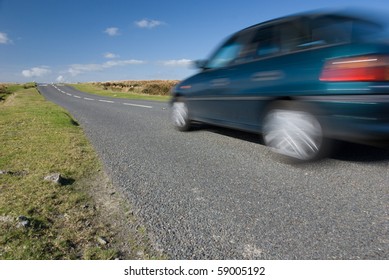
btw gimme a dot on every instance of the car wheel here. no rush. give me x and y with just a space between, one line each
292 130
180 116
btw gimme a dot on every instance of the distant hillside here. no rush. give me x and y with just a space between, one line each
154 87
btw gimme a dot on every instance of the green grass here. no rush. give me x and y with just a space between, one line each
39 138
100 89
7 89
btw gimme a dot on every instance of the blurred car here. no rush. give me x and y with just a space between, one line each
300 81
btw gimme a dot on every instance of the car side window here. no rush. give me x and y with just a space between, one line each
267 42
236 50
295 35
225 55
282 38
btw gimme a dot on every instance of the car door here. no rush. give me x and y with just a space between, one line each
277 68
212 93
257 75
242 76
241 90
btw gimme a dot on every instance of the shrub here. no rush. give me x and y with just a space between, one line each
29 85
155 87
4 91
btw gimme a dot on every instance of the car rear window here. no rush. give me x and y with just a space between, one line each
335 30
329 30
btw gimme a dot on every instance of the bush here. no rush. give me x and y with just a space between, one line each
29 85
156 87
4 91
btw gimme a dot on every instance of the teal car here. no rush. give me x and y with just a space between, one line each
300 81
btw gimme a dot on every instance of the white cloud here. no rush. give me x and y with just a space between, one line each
112 31
177 62
110 55
113 63
77 69
36 72
60 79
148 23
4 38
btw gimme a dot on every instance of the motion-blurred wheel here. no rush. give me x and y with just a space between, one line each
180 116
293 131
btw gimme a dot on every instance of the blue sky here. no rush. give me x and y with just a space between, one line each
101 40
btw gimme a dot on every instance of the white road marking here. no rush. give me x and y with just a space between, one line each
137 105
107 101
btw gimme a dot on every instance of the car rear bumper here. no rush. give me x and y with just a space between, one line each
360 118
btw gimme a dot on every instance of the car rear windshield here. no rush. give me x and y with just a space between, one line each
330 30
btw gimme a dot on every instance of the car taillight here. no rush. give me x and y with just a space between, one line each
356 69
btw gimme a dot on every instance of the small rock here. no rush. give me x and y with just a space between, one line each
140 253
55 178
23 221
5 172
102 240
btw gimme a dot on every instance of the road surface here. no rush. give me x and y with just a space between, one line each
214 193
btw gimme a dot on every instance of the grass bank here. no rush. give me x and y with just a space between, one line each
7 89
146 90
85 217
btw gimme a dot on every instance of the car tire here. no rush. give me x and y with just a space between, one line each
292 129
180 116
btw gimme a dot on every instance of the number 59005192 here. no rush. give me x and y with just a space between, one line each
240 270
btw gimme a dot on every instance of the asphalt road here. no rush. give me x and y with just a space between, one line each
218 194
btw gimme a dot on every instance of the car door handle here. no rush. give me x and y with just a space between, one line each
220 82
267 76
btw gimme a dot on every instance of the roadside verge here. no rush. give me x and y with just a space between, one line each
134 93
83 216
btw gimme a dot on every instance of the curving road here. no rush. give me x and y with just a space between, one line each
213 193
